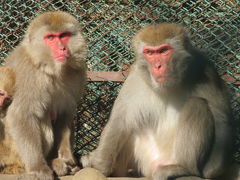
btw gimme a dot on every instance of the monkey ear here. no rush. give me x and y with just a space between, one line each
137 44
184 35
183 32
27 38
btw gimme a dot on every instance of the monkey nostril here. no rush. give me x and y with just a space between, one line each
63 48
158 66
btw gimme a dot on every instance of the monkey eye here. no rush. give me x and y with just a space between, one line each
50 36
148 52
164 50
65 34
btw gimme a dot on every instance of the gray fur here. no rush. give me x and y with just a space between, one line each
178 128
46 89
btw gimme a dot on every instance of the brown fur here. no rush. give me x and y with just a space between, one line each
9 160
177 128
159 32
7 80
39 120
53 22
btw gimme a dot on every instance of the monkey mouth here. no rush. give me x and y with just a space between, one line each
159 72
158 69
61 58
161 79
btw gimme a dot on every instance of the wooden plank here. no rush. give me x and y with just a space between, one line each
232 78
107 76
122 75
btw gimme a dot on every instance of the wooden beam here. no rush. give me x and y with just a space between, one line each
121 76
232 78
107 76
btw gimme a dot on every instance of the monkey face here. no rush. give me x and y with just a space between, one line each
58 43
5 99
158 58
54 42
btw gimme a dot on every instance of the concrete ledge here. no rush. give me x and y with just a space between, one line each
16 177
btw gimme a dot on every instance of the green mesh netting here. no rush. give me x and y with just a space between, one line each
109 26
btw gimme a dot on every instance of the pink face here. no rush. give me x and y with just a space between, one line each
5 100
158 57
58 43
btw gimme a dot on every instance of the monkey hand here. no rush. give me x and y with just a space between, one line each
166 172
85 160
93 160
62 167
160 174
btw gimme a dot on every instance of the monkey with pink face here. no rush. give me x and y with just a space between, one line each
172 117
50 69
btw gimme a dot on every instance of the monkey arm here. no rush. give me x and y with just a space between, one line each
114 141
26 134
111 142
63 135
218 102
62 160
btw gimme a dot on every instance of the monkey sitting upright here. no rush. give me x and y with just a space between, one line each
50 79
172 117
9 161
7 82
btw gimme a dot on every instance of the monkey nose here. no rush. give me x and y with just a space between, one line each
63 48
60 45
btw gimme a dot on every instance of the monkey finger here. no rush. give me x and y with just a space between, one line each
59 167
85 161
74 170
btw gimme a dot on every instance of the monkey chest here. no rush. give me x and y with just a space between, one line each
153 149
154 144
62 101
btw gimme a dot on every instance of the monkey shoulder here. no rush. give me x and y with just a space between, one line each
210 82
135 86
141 100
213 90
18 60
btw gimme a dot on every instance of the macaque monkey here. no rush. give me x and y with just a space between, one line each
172 117
9 161
7 82
50 79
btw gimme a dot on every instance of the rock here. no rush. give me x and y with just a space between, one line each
89 174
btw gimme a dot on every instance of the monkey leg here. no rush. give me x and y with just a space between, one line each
29 145
193 141
12 169
10 162
125 165
104 157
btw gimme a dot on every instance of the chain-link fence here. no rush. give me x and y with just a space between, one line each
109 26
